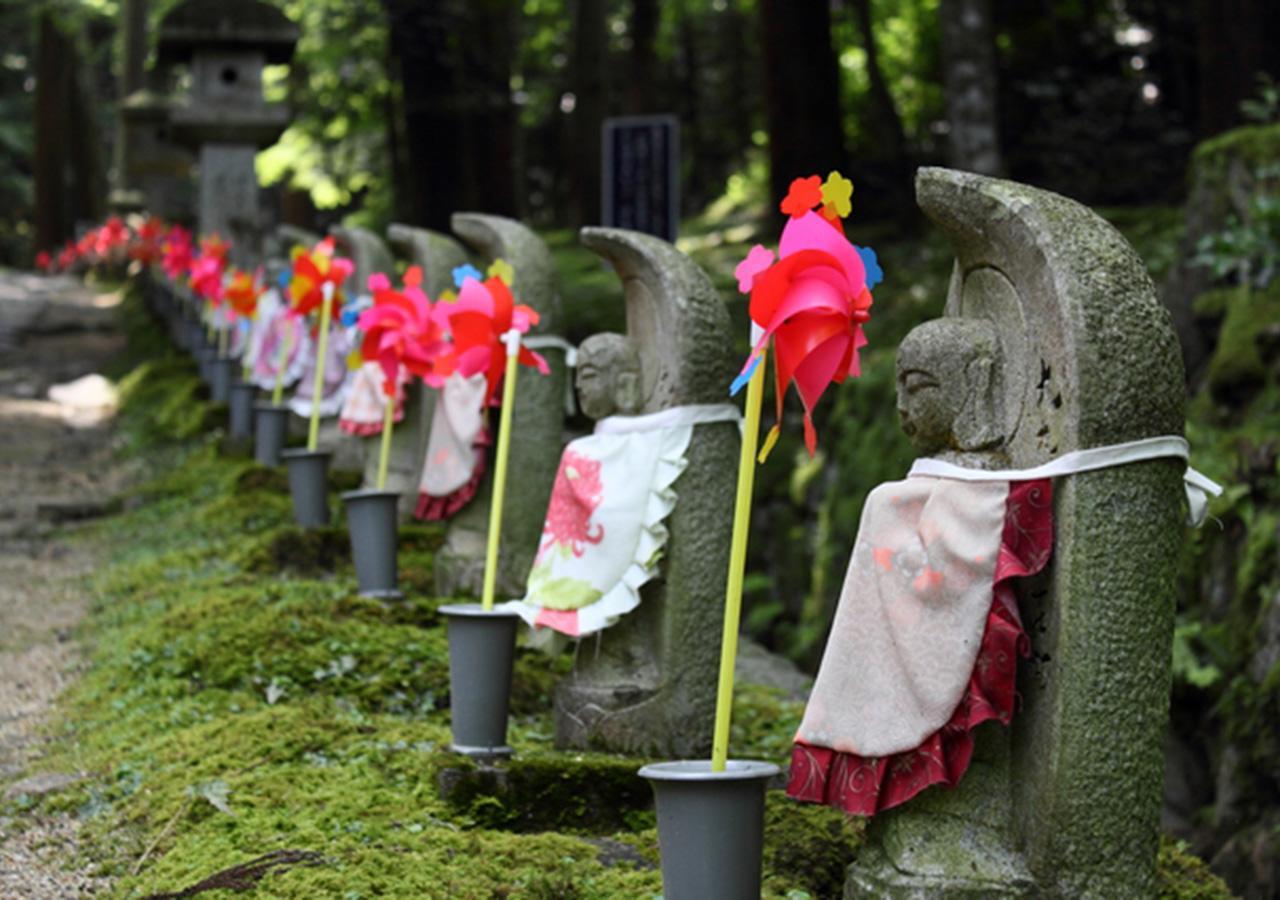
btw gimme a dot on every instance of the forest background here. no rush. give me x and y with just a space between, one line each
1163 115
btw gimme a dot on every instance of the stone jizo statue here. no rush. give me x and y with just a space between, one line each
1053 345
608 377
646 684
949 391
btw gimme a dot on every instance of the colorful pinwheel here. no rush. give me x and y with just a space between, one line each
243 290
207 269
400 329
311 271
812 301
477 320
175 252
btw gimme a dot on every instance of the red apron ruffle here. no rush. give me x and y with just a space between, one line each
865 786
434 509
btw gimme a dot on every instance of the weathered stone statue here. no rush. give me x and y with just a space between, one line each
608 376
538 419
647 684
949 392
1053 341
438 255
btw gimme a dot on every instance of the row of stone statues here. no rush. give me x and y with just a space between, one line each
1052 342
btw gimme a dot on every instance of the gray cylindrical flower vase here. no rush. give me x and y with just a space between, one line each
206 356
195 336
309 485
240 415
221 375
269 425
481 653
372 522
710 827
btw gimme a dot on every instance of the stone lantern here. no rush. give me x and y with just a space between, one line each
226 44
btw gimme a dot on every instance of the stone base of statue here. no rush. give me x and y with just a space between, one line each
948 843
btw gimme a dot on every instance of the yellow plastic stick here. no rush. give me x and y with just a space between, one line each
737 565
322 347
384 452
512 339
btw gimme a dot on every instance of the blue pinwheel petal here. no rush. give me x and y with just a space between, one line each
744 376
875 274
465 271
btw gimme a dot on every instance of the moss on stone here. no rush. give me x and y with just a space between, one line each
584 794
809 846
1183 876
1254 145
1237 366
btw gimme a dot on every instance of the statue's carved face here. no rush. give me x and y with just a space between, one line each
608 376
947 384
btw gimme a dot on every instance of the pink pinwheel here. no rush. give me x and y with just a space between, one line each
477 320
176 252
206 276
813 301
400 329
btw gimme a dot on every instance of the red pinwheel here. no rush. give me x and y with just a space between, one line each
311 271
175 252
813 301
145 246
401 330
206 273
482 314
243 292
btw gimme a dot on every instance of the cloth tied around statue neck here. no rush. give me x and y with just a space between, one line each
337 378
365 406
604 532
275 331
924 644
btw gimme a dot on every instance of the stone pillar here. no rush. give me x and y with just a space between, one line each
649 685
225 118
1065 803
538 419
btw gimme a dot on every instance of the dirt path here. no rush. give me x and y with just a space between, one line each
56 470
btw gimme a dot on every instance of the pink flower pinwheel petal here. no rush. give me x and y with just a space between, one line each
758 259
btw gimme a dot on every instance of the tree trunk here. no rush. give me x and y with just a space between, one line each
133 59
1237 41
888 122
969 80
53 76
459 123
802 91
590 45
642 91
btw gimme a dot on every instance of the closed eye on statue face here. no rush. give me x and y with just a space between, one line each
914 380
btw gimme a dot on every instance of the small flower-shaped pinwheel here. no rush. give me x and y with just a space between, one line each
812 302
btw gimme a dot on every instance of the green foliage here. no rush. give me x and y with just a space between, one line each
1247 249
1263 108
1182 876
342 95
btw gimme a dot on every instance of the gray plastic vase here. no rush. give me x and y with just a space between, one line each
710 827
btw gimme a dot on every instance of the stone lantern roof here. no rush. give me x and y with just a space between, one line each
226 25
